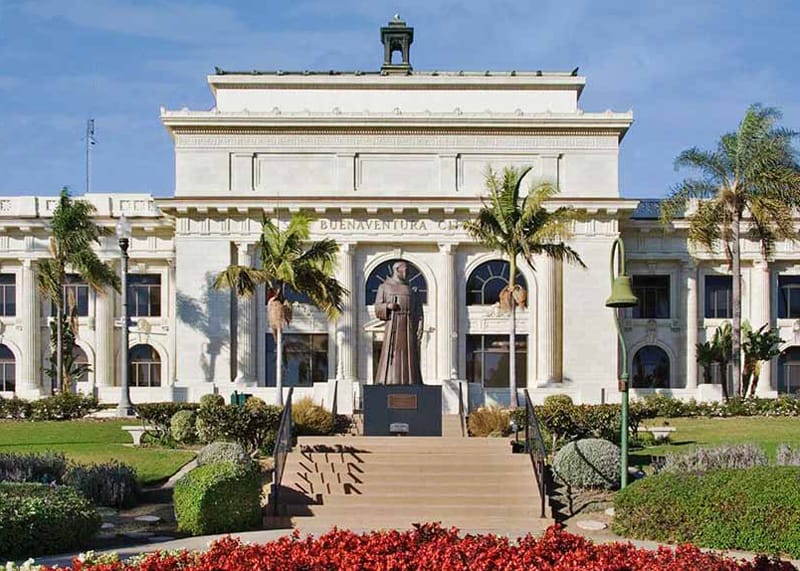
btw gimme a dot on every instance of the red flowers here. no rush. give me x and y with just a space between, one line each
430 547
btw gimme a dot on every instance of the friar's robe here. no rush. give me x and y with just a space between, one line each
399 361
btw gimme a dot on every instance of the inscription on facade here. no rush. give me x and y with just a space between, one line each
396 225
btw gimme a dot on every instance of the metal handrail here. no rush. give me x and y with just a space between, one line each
335 399
462 410
283 445
534 447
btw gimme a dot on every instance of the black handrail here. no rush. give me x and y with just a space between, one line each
283 445
335 399
534 447
462 410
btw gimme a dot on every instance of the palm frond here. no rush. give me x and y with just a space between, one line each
242 279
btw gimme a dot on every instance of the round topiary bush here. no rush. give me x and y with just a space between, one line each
182 426
217 452
37 519
210 400
588 463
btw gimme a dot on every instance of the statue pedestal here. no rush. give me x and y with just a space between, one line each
407 410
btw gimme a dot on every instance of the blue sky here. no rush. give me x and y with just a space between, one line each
687 68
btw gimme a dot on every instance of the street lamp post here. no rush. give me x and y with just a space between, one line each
621 297
125 407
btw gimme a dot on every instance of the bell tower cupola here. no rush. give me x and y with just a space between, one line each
396 36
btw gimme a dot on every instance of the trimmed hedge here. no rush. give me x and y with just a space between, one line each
588 463
218 498
36 519
182 426
41 468
702 460
311 419
249 425
218 452
62 406
112 484
159 415
755 510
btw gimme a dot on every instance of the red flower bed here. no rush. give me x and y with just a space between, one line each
430 547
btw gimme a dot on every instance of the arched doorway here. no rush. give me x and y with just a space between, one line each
650 368
8 370
144 366
789 371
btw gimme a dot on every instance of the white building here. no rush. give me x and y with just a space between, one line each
389 164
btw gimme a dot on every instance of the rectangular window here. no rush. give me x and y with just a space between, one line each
8 295
719 290
788 297
653 295
305 359
7 375
76 296
144 295
487 360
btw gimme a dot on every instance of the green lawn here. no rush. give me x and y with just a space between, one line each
92 441
692 432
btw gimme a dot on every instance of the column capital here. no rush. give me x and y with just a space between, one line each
347 246
761 264
689 265
447 247
27 263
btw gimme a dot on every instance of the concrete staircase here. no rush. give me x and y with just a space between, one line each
362 483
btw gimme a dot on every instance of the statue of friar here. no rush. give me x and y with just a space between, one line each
399 305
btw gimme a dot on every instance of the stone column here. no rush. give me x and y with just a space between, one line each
104 373
447 314
548 338
346 327
690 275
30 378
760 314
246 350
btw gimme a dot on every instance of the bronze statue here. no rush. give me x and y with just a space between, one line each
399 305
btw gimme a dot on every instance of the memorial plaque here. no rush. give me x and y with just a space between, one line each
402 402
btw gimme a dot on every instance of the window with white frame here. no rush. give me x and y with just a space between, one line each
487 281
8 369
145 366
789 297
8 295
144 295
719 291
652 293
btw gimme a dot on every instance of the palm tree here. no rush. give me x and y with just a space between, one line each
289 263
521 226
706 355
753 177
758 345
722 344
73 235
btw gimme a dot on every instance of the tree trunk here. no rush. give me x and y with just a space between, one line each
279 363
736 301
512 336
723 377
754 381
59 352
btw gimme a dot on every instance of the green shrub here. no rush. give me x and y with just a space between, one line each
211 400
558 400
588 463
248 425
112 484
218 498
63 406
489 421
311 419
755 510
42 468
159 415
37 519
218 452
182 426
15 408
701 460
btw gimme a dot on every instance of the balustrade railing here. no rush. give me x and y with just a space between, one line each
283 445
534 447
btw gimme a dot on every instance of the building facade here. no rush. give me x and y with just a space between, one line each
389 164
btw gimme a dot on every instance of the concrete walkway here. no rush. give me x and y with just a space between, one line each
262 536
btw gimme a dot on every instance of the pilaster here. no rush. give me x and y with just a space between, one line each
246 350
447 314
104 339
690 277
30 378
346 337
548 338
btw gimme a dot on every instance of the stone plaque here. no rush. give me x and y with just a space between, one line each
401 402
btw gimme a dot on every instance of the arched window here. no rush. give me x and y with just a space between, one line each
415 279
145 366
487 281
80 364
8 369
651 368
789 371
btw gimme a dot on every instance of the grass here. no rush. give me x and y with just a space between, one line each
767 432
93 441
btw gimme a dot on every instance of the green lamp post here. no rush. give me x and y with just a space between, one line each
621 296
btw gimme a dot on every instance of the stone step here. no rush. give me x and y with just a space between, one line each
382 442
423 488
393 499
516 526
495 477
453 462
427 512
